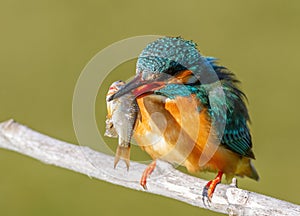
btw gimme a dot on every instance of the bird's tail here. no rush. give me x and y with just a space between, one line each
253 173
246 168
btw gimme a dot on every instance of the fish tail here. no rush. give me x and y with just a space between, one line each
122 152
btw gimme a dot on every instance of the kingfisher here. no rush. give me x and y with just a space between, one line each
192 112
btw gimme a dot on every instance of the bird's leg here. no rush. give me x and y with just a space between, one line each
211 186
147 172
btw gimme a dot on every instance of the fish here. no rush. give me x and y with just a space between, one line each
121 118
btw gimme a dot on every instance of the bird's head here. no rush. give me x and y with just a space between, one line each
168 60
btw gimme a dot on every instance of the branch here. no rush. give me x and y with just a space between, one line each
174 184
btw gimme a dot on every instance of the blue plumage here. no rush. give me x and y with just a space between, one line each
173 55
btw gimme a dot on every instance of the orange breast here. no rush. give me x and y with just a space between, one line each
175 131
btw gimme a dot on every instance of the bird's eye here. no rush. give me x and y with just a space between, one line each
152 76
147 75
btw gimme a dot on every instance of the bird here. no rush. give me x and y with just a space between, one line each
192 112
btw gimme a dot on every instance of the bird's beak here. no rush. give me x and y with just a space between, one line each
139 87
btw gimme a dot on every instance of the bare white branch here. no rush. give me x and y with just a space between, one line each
174 184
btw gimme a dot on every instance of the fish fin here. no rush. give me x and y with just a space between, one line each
123 152
117 159
110 130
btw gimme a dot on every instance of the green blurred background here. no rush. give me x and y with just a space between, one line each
44 45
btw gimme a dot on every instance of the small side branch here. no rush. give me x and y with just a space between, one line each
174 184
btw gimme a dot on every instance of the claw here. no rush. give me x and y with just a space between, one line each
122 153
209 189
147 173
234 183
206 201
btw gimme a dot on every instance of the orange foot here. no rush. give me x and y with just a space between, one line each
210 187
147 173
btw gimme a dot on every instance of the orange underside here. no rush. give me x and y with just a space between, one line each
175 131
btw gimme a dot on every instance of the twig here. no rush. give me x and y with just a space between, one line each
174 184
